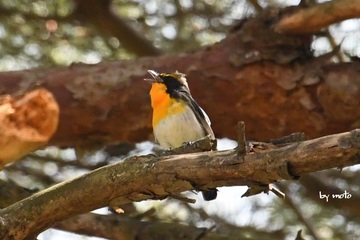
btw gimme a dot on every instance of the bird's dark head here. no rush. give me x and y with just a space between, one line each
172 81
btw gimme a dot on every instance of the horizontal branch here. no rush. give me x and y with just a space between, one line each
148 177
116 227
292 90
120 227
313 19
27 123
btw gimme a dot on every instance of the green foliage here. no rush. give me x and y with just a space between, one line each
44 33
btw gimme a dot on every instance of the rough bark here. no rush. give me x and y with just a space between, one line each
148 177
266 79
27 123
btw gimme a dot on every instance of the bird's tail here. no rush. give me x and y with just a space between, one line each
210 194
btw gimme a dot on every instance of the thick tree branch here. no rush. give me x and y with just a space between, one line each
313 19
270 81
148 177
27 123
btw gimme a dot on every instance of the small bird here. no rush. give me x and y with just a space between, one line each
177 118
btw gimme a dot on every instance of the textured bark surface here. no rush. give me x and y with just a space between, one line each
27 123
147 177
266 79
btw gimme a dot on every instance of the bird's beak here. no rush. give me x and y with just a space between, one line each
155 75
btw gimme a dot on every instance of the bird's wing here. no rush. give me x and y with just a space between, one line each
200 114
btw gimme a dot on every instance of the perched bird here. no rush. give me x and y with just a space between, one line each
177 118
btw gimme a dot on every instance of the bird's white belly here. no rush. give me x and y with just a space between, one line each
177 129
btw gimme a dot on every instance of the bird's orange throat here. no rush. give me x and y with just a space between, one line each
163 105
158 94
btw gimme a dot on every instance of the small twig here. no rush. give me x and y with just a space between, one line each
294 137
259 188
118 210
241 147
182 198
276 191
334 45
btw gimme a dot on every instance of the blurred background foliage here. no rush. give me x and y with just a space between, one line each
61 32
